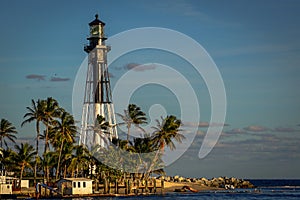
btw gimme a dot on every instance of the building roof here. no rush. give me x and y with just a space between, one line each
75 179
96 21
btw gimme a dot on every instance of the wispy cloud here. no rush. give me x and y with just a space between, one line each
37 77
284 129
236 131
58 79
256 128
139 67
203 124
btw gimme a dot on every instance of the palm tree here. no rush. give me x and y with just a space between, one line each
66 157
51 110
6 159
49 161
6 131
163 135
35 113
102 123
24 157
65 131
166 131
133 115
101 127
80 160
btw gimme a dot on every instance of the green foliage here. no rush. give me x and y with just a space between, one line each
61 154
24 158
7 130
133 115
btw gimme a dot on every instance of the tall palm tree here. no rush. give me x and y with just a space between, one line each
65 131
25 154
35 113
166 131
133 115
7 130
51 110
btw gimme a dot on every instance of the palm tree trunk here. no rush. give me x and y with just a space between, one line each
161 149
59 157
46 150
48 174
37 152
128 132
65 171
72 173
21 175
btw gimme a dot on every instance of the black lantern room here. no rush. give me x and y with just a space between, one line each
96 34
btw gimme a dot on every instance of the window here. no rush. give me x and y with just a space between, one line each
8 187
84 185
74 184
79 184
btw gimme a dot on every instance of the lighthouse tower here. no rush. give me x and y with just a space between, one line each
97 97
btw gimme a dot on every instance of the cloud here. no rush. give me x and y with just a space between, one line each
203 124
139 67
214 124
255 128
284 129
236 131
58 79
36 77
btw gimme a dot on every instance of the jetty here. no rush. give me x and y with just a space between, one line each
84 187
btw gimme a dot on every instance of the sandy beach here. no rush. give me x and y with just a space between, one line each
171 186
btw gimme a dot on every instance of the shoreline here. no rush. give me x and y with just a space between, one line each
170 187
164 185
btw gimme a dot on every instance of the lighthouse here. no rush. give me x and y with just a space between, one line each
97 95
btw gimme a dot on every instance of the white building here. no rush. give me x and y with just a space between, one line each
5 183
70 186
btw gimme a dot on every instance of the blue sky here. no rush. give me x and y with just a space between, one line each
255 45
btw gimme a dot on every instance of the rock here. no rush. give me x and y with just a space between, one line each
232 180
221 179
181 179
208 183
203 179
167 178
215 184
247 184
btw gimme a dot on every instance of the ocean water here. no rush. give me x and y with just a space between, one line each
266 190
